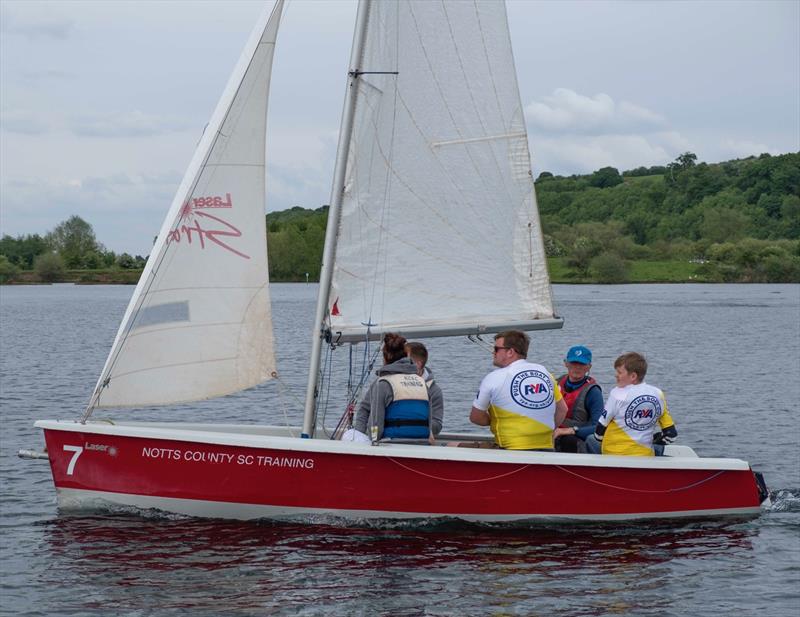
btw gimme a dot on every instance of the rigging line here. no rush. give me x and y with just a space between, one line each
283 389
366 371
105 377
325 384
637 490
443 479
477 339
329 381
287 389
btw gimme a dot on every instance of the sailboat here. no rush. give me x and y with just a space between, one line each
432 205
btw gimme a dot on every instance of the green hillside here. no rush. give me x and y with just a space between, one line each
737 221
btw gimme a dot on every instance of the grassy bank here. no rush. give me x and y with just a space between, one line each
641 271
108 276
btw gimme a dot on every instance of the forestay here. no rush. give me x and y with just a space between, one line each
439 230
199 322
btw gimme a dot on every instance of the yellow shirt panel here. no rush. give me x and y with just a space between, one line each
617 441
665 421
516 432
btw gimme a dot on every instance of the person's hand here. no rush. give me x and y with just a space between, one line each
561 431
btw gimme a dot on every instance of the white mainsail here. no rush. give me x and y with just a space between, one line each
199 323
439 231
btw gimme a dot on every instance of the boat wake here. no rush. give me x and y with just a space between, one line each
784 500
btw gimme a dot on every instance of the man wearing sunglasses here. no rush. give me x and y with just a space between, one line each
520 401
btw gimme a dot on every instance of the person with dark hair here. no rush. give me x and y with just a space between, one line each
635 417
584 400
419 355
520 401
397 404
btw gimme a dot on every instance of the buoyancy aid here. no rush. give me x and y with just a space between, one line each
408 415
577 414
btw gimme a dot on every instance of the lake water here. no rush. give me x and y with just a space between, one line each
728 357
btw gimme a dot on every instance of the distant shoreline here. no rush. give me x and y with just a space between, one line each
640 272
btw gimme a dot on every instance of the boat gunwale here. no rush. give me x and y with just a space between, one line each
178 432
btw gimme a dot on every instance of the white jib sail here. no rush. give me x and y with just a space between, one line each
199 323
439 230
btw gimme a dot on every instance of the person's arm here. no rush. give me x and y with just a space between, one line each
606 417
561 404
362 413
561 412
479 413
479 416
437 408
381 398
594 405
669 432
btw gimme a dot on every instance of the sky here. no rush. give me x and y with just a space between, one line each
103 103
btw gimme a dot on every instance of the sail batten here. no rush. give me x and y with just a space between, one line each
199 323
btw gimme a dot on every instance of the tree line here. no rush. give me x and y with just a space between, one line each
71 245
736 221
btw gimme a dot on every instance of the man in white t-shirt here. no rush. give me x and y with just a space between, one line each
520 401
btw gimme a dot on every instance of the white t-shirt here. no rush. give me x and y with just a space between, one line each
521 400
632 415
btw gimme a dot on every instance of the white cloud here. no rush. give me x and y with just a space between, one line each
568 111
574 133
744 148
574 154
26 122
126 124
673 141
34 22
125 211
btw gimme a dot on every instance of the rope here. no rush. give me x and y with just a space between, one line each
346 420
638 490
284 388
488 479
325 386
503 475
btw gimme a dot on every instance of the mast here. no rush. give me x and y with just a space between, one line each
331 233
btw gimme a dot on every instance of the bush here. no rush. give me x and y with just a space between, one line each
49 267
605 178
609 268
552 247
7 270
775 269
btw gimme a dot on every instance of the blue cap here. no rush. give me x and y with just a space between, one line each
580 354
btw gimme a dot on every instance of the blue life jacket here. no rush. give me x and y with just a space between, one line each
408 415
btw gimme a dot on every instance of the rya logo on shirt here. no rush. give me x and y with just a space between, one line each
643 412
532 389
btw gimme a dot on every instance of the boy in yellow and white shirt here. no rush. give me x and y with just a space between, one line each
635 414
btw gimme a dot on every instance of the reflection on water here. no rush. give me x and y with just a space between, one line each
408 569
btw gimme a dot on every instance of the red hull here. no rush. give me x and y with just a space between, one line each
385 485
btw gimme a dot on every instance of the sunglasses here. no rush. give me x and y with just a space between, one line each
496 348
